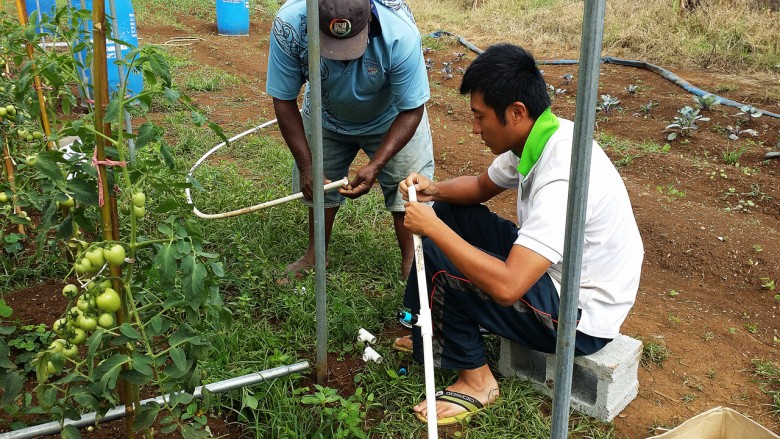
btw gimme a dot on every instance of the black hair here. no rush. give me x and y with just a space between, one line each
504 74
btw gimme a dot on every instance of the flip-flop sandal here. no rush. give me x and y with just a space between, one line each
471 404
401 348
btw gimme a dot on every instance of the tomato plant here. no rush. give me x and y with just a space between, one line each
140 297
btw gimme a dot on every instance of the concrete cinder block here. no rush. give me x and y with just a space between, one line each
602 383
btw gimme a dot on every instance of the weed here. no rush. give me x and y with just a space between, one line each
767 283
768 373
711 373
751 328
654 353
673 293
732 330
688 398
671 192
673 319
708 336
732 156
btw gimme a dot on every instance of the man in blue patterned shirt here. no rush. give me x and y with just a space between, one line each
374 89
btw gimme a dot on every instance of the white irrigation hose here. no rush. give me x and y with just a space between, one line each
426 327
198 213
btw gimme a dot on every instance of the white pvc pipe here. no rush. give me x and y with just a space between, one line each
198 213
366 337
119 411
369 354
426 327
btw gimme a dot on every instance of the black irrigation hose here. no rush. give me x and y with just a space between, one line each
624 62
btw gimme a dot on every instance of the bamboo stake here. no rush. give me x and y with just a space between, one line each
21 9
110 232
9 172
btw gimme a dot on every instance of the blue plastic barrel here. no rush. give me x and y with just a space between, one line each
233 17
42 7
124 30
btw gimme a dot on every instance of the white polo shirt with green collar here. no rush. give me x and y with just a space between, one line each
612 251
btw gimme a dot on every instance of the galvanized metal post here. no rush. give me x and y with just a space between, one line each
585 113
315 99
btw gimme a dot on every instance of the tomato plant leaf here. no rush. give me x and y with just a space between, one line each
108 370
135 377
184 333
83 191
171 95
182 398
165 150
128 331
47 164
165 264
11 384
179 358
112 111
216 268
145 416
147 133
193 281
65 229
70 432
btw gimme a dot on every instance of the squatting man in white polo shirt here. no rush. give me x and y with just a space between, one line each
482 270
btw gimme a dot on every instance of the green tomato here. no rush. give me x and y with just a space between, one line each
68 203
95 257
70 350
57 345
105 284
79 336
60 326
139 212
106 320
50 369
10 109
3 112
37 135
115 255
3 197
87 323
109 300
70 291
31 160
83 266
139 199
85 303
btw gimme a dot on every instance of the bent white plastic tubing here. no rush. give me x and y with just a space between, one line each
424 322
366 337
369 354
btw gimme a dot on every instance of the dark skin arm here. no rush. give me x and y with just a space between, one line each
291 126
505 281
401 131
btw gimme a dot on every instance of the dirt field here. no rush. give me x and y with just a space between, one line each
711 229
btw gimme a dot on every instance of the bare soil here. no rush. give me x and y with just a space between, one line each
711 229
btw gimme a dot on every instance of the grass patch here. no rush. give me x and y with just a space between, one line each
654 353
768 373
623 152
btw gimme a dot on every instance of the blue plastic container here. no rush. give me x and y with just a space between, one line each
233 17
126 31
43 7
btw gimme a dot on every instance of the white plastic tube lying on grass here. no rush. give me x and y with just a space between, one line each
198 213
426 327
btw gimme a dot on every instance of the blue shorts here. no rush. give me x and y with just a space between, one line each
339 151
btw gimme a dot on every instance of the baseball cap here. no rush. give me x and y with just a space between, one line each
344 28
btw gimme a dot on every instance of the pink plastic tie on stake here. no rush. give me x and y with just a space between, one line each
96 163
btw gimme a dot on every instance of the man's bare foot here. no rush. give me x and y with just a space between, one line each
478 383
299 268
